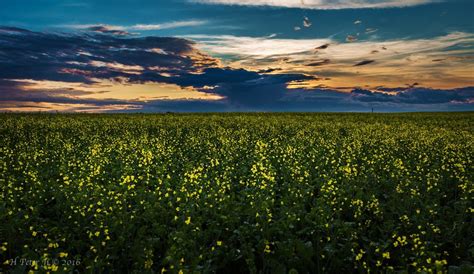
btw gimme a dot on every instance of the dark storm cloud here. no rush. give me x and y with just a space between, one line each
260 91
73 58
416 96
332 100
89 56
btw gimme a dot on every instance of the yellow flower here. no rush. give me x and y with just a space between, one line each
267 249
54 268
219 243
386 255
188 221
360 255
63 254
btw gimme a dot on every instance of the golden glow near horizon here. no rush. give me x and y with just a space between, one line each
107 89
20 106
101 90
151 91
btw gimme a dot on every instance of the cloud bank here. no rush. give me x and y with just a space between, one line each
104 71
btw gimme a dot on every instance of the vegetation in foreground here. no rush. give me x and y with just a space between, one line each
268 193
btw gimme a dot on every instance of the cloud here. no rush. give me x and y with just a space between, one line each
170 25
351 38
370 30
321 4
125 30
81 57
23 96
20 106
319 63
325 46
255 47
92 27
107 30
306 22
422 96
363 63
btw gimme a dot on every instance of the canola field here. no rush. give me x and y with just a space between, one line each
237 193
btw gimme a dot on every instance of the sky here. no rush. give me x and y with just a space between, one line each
237 55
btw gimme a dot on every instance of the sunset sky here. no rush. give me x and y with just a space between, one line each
236 55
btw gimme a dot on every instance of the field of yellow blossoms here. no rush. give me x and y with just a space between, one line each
237 193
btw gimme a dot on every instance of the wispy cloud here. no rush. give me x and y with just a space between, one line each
263 47
137 27
257 47
391 61
88 26
321 4
169 25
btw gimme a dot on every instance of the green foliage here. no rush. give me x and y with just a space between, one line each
239 193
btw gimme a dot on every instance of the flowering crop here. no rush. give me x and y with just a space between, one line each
182 193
